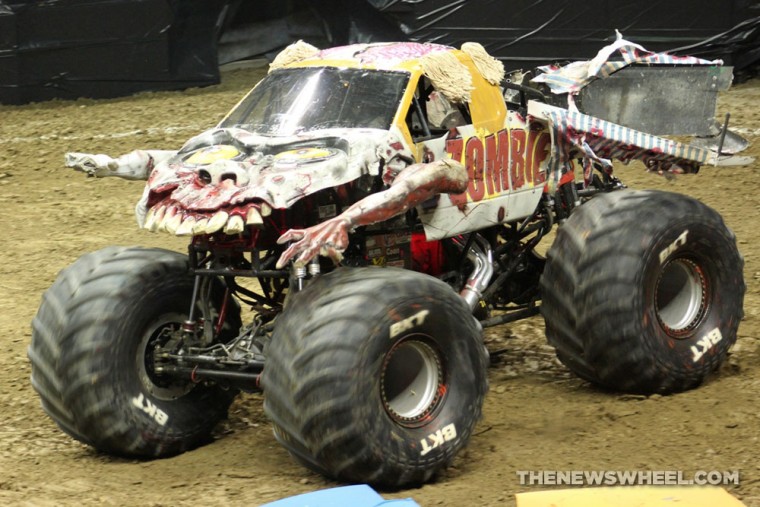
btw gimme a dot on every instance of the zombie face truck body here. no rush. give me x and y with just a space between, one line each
403 164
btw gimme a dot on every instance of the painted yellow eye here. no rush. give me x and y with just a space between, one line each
304 155
211 154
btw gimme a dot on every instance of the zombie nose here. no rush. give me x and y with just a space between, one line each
223 170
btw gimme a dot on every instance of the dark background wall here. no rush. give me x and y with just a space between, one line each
527 33
105 48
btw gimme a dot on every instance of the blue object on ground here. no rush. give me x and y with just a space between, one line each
346 496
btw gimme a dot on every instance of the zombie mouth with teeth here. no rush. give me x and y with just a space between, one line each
227 179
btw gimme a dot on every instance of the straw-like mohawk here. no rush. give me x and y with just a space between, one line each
296 52
448 74
489 67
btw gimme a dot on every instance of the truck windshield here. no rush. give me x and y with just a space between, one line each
290 101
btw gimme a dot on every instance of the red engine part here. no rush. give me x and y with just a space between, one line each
427 256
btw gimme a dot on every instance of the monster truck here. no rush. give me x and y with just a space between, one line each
373 207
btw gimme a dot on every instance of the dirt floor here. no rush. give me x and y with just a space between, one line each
537 415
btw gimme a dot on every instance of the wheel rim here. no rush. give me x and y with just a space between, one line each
156 335
681 296
412 383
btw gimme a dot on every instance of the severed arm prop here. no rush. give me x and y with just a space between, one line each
414 185
135 165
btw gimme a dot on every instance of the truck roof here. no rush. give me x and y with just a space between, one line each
399 56
455 72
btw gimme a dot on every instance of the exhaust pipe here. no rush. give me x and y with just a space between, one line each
481 255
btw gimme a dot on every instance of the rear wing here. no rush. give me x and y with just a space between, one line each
614 107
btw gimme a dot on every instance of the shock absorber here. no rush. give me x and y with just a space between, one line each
300 273
314 268
189 327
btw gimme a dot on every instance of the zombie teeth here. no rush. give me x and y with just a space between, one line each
186 229
168 215
266 209
234 225
253 217
217 222
154 218
160 224
200 226
150 219
172 219
173 223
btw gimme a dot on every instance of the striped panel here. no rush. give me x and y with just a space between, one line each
596 141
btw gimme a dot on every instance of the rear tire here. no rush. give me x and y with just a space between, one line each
90 354
375 375
642 291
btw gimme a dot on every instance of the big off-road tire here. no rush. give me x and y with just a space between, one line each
375 375
91 354
642 291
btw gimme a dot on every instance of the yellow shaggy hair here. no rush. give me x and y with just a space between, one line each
296 52
448 75
489 67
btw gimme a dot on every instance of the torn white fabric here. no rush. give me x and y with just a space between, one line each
573 77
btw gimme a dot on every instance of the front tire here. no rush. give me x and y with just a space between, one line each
375 375
91 354
642 291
